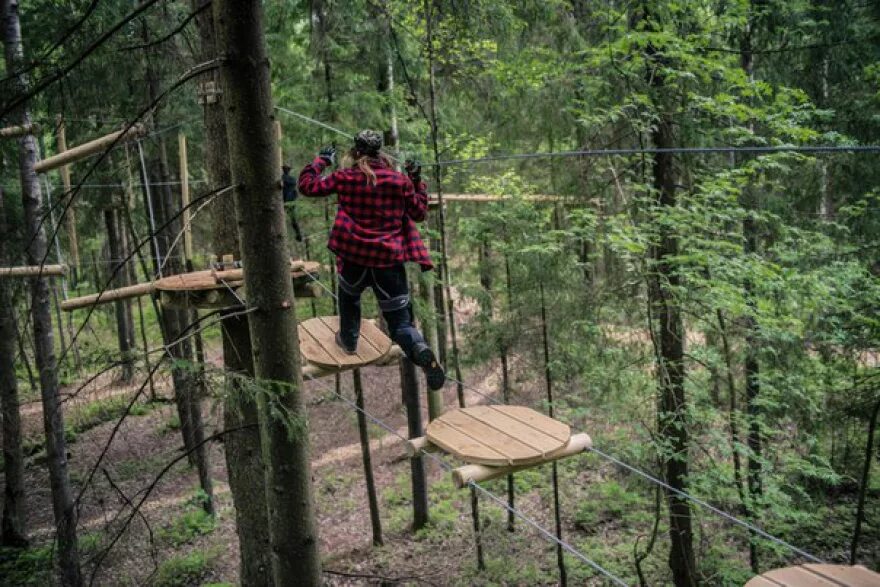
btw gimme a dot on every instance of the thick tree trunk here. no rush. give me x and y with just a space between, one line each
13 531
247 97
35 235
123 329
244 457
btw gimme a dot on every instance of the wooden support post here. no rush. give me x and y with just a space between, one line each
33 271
462 476
184 196
70 217
409 383
363 432
82 151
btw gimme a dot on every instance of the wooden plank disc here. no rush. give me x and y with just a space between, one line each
499 435
317 343
818 576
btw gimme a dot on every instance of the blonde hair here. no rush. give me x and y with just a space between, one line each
353 158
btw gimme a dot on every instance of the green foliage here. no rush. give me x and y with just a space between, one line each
184 570
187 527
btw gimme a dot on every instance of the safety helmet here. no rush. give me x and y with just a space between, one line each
368 142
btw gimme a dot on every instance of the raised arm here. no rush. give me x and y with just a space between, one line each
311 183
415 193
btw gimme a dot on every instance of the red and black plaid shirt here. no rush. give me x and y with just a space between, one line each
375 224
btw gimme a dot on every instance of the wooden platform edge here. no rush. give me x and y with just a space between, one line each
34 271
462 476
313 371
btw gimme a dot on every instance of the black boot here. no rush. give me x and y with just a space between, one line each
424 357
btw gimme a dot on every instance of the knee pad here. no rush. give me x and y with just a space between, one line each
394 304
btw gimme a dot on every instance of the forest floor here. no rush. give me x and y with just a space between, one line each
171 542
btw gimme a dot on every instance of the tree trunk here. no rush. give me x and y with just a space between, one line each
548 381
409 384
13 531
244 457
751 366
672 416
35 235
283 419
863 486
366 457
117 254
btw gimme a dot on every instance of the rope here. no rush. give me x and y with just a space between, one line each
818 149
679 492
562 543
447 467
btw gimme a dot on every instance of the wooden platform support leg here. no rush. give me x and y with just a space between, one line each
462 476
409 384
363 432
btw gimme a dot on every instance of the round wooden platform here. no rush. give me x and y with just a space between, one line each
818 576
317 343
499 435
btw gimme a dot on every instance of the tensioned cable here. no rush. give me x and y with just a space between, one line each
149 196
816 149
447 467
610 152
565 545
679 492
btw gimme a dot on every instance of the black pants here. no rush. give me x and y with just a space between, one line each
392 291
291 211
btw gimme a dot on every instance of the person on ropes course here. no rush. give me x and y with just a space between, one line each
288 192
373 235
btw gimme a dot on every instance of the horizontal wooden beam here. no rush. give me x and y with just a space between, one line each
10 132
82 151
107 296
479 473
312 371
34 271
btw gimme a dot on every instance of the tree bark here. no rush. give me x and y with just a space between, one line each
672 416
751 366
283 419
409 384
35 235
13 530
123 329
366 457
244 456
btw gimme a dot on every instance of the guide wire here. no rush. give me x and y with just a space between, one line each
447 467
678 492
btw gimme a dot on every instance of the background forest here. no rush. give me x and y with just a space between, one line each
708 315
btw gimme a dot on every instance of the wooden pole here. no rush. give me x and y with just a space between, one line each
96 146
363 432
110 295
70 217
548 377
409 383
184 196
11 132
33 271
